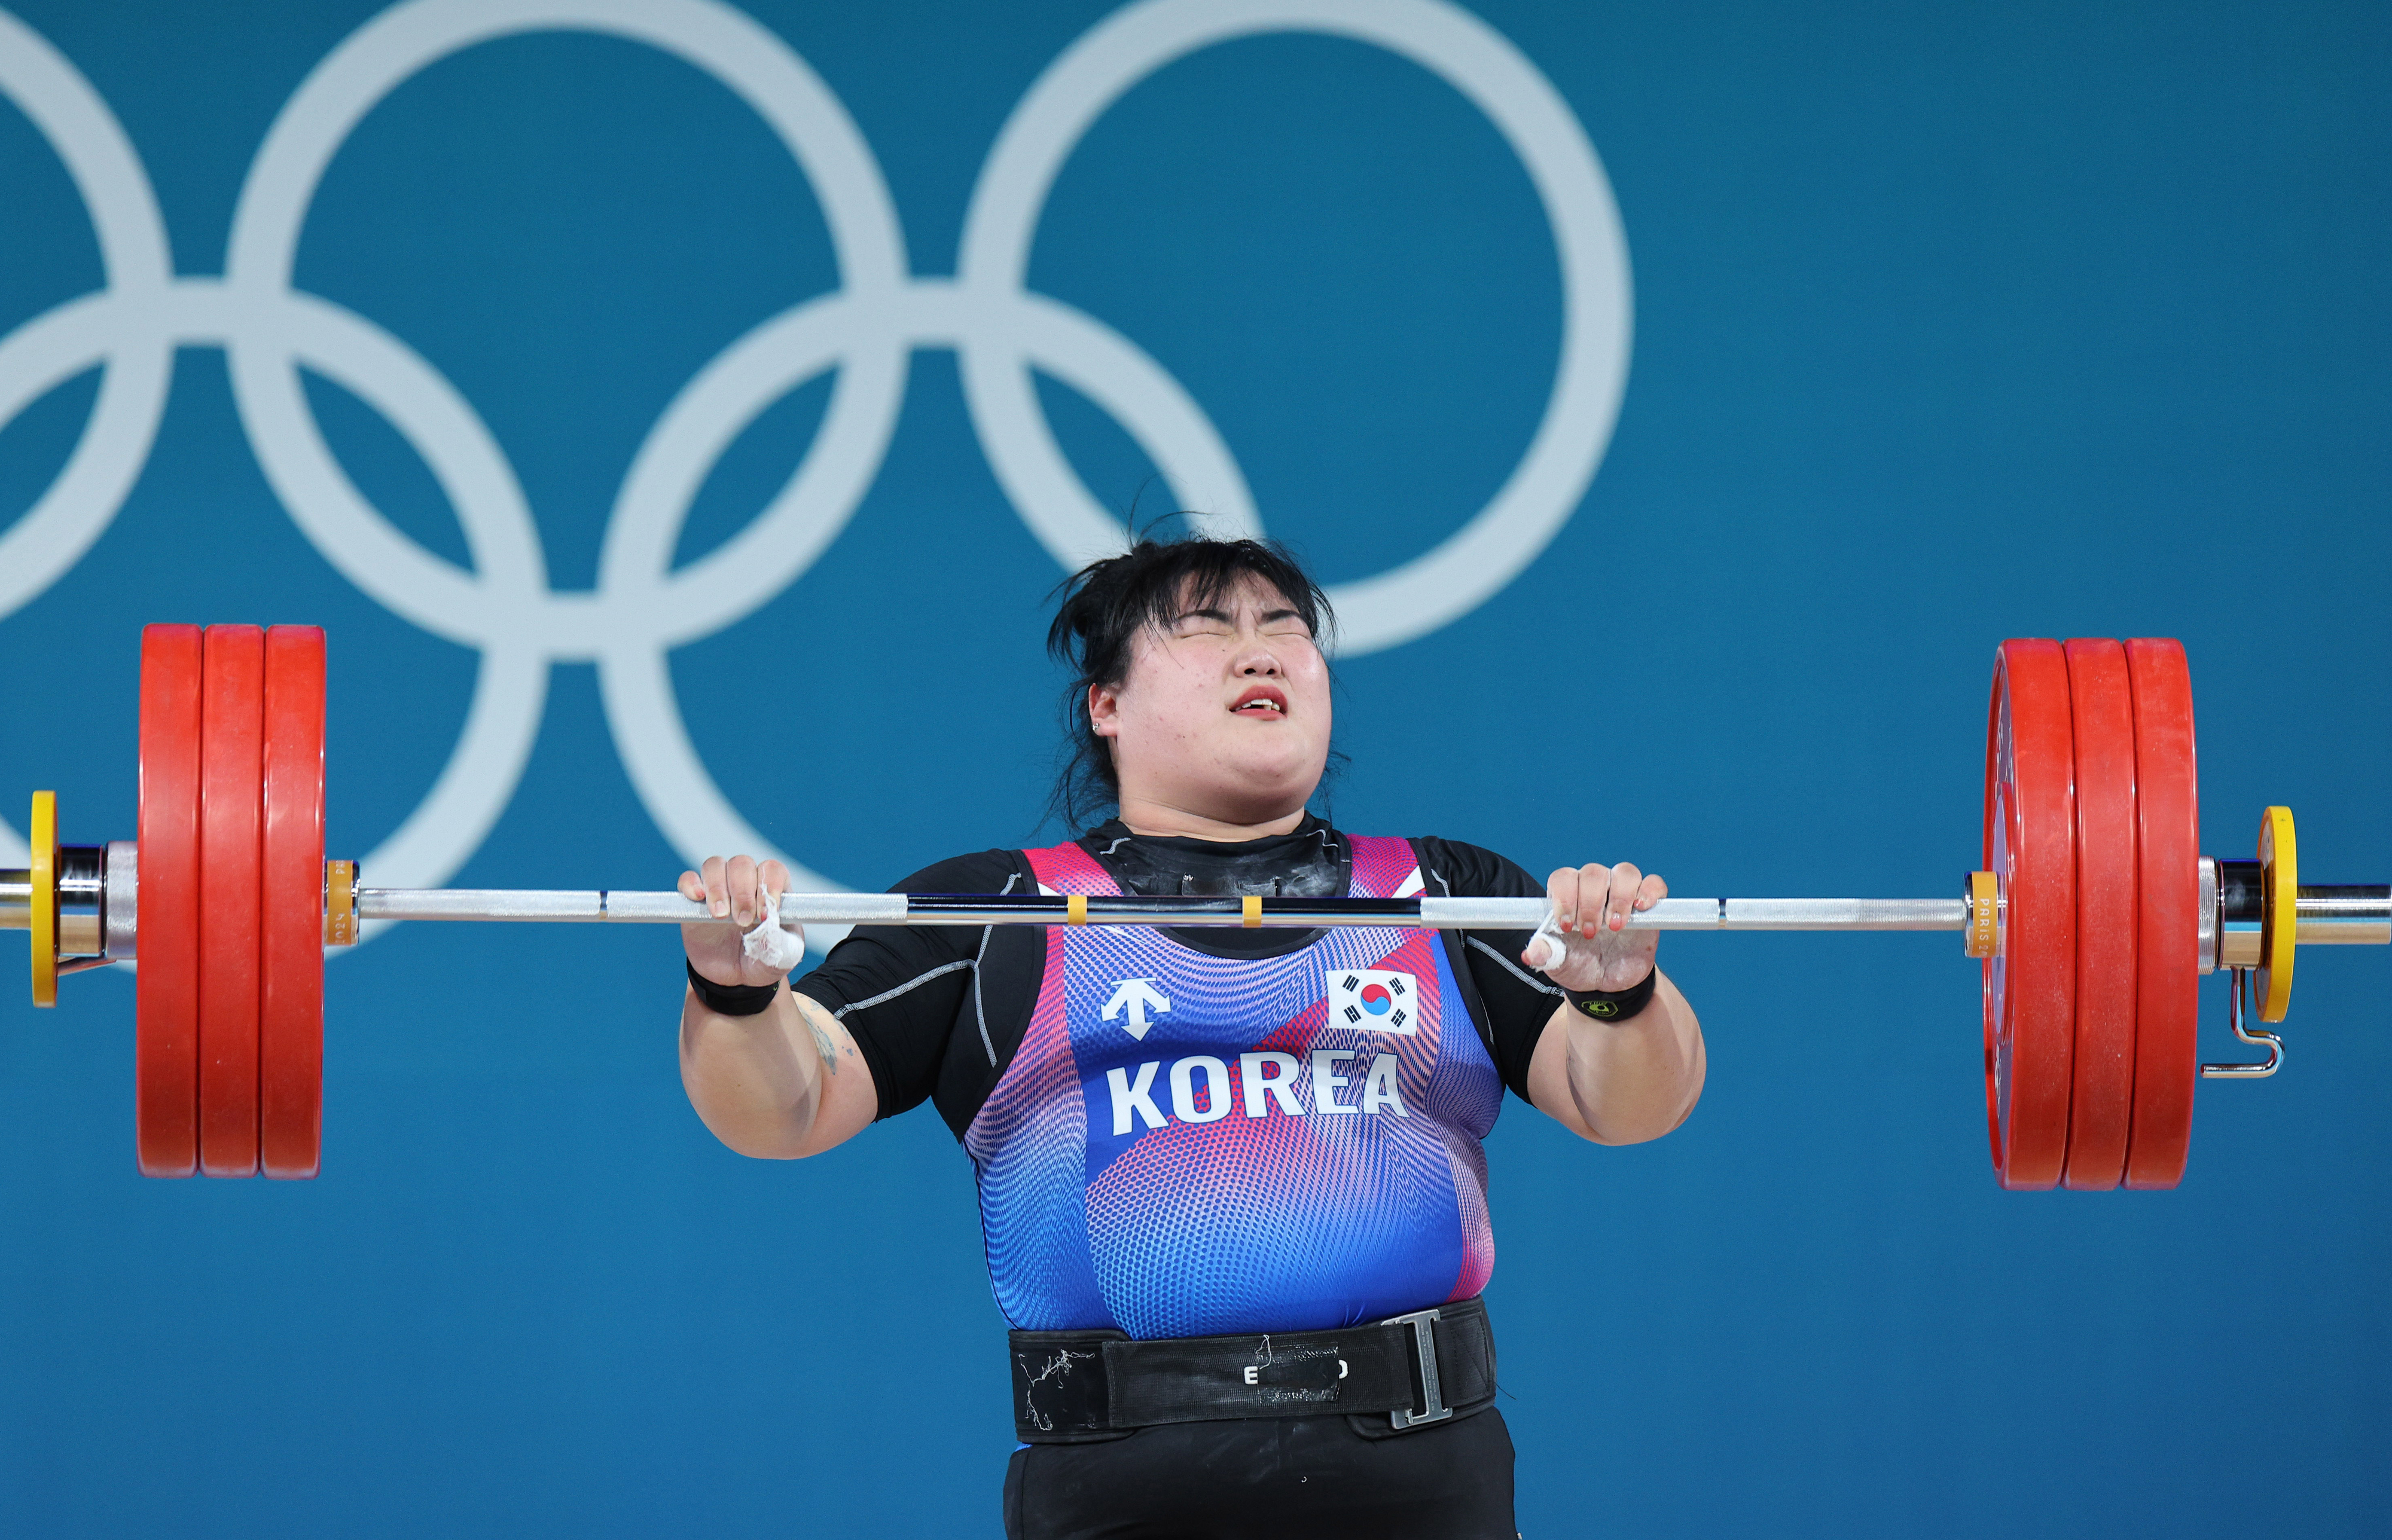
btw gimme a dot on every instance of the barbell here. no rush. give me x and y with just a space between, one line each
2093 913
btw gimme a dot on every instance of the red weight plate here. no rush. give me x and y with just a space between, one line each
232 720
2167 1054
291 1010
2031 845
2102 1099
167 938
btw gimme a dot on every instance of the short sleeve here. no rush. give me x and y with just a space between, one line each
1519 1002
898 989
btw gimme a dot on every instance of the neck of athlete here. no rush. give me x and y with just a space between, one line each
1163 818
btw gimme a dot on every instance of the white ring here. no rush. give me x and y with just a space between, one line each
1468 567
505 606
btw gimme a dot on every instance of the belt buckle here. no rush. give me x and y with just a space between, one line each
1423 1325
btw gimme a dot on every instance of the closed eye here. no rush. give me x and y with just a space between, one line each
1203 623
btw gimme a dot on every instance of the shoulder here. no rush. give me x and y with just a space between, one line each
981 871
1465 871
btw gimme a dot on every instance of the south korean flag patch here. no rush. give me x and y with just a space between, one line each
1374 999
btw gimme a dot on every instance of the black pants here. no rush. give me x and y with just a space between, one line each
1260 1478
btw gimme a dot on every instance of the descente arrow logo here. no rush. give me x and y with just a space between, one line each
1137 996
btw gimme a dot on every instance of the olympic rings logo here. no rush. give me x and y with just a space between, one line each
866 332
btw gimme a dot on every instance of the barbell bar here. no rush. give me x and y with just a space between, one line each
1426 912
2092 914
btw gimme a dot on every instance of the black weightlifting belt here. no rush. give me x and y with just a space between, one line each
1077 1387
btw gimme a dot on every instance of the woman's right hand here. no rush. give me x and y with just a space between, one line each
733 891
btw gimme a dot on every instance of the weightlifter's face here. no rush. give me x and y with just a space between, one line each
1224 714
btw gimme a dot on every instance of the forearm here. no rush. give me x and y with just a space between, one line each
1635 1079
758 1081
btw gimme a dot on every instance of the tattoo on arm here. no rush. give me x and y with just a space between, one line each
823 1049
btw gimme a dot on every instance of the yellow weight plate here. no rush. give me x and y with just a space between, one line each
44 837
2280 887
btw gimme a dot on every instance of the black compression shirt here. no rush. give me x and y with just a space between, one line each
937 1010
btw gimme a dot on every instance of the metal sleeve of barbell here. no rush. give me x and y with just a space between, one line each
2354 914
584 906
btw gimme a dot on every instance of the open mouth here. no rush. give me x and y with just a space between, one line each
1261 700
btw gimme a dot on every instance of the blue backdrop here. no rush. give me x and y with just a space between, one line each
1949 324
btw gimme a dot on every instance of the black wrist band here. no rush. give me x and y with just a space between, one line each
731 999
1615 1005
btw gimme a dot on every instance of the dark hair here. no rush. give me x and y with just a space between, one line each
1107 603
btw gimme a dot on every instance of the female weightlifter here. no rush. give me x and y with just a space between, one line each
1231 1180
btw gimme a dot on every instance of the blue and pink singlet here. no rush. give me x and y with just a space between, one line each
1186 1144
